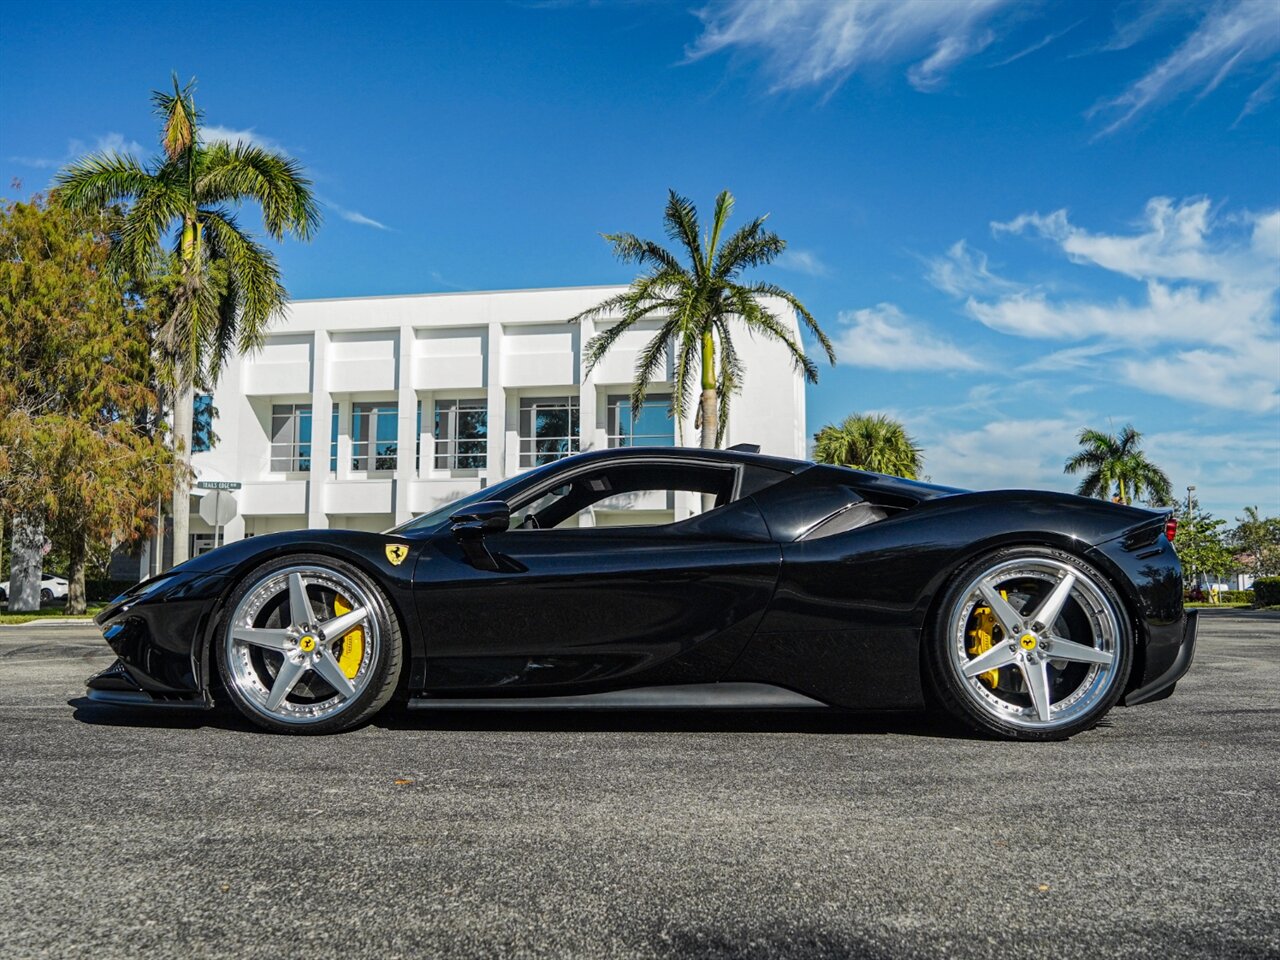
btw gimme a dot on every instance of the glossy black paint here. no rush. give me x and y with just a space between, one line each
753 591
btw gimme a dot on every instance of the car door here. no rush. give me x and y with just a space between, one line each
577 608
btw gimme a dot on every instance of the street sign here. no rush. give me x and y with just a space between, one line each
218 484
217 508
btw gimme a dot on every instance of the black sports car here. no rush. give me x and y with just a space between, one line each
1025 614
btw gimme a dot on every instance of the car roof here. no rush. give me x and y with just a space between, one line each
784 464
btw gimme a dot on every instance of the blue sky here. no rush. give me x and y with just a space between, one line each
1015 219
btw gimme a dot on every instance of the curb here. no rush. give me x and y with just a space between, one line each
50 622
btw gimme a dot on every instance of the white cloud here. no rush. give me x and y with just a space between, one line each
1209 286
113 143
1004 454
1180 314
1175 244
962 271
1039 44
76 148
1230 37
1246 380
353 216
807 43
802 261
212 133
1261 96
1231 468
884 338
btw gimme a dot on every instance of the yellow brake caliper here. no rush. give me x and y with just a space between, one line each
983 637
352 651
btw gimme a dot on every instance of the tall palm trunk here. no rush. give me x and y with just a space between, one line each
184 403
707 410
183 422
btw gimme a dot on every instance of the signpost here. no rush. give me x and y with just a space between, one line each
218 506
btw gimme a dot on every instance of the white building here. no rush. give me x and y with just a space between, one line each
361 413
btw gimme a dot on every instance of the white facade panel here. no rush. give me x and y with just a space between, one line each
363 362
450 358
358 496
540 355
282 366
281 498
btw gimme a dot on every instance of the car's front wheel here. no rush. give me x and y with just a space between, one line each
1030 643
310 644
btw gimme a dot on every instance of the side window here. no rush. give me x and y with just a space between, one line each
627 495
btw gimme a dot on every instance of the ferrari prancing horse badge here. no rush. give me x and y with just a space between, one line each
396 552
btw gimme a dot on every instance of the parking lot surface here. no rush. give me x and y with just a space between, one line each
131 833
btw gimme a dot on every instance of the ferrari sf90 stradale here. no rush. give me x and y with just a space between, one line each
674 577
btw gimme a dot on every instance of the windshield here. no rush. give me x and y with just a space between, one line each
496 492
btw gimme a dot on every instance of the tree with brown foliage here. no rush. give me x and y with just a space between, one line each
81 446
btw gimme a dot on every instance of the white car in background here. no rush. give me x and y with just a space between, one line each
51 588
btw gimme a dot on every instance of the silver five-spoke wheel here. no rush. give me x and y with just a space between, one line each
303 646
1034 642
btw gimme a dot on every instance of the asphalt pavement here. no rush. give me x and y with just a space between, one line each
128 833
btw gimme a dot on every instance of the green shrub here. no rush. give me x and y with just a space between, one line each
1266 591
1237 596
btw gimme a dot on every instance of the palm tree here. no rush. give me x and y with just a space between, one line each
180 235
699 303
1117 463
871 442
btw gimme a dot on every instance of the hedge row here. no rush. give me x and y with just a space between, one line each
1266 591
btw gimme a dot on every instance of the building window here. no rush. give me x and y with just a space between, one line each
202 436
548 429
374 436
461 434
653 427
290 437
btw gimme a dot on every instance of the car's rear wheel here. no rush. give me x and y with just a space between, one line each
46 595
1030 643
309 644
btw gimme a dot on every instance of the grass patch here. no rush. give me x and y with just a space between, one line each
1216 606
49 613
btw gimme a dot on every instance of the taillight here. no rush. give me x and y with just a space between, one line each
1171 528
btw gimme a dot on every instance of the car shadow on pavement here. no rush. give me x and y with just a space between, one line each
98 714
918 724
396 717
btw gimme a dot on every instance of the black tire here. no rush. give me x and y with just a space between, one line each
46 595
383 670
963 698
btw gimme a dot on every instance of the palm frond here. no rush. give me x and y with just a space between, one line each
681 222
748 247
99 180
252 270
234 173
720 216
773 290
180 118
629 248
650 360
757 318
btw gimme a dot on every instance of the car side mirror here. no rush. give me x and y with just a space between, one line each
469 527
488 516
